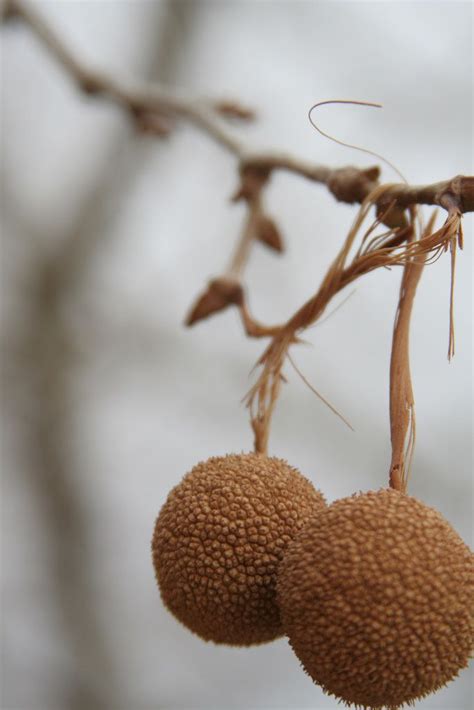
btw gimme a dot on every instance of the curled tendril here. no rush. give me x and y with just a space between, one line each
350 145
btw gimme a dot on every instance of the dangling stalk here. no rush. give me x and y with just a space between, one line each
402 403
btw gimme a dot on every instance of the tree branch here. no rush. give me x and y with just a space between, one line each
145 101
349 184
149 103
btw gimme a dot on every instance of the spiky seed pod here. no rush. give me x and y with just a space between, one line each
219 539
377 596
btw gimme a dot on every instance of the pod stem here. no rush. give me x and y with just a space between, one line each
402 403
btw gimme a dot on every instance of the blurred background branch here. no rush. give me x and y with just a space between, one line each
43 352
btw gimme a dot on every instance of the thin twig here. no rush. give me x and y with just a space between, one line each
242 251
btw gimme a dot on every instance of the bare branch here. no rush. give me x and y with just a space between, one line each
348 184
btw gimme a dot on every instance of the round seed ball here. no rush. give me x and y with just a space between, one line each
219 539
377 598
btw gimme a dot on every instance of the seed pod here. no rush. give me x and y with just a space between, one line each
377 598
218 541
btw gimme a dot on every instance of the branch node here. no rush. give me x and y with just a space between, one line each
351 184
252 180
458 195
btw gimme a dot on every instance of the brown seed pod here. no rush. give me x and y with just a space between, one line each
219 539
377 598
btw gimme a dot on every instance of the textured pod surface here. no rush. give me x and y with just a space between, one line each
377 596
218 541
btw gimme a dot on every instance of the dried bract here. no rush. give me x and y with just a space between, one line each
220 293
269 234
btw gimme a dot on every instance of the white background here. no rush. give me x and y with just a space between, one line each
148 399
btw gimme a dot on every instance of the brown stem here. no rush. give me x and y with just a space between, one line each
265 396
456 193
402 403
262 420
244 245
